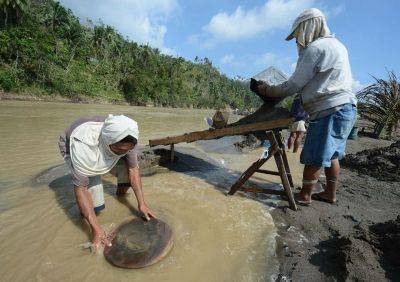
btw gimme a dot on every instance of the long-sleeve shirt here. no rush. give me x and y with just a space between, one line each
322 77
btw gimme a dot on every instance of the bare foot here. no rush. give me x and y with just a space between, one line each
324 197
302 198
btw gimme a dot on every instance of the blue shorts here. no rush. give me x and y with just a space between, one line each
326 137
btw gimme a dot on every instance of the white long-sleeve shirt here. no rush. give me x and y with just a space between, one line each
322 77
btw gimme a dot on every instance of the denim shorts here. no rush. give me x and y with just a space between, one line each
326 137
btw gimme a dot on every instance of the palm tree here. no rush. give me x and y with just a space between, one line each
380 104
13 10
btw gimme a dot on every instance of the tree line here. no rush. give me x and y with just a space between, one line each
44 49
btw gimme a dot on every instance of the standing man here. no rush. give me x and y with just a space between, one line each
323 80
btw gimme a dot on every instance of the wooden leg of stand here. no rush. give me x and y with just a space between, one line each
245 176
288 172
284 157
250 171
284 177
285 180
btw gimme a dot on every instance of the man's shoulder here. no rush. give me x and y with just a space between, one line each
324 42
327 45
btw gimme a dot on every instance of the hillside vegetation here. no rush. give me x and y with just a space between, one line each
46 50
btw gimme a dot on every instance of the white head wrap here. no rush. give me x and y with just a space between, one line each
308 26
90 144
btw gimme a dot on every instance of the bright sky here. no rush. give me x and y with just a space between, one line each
242 38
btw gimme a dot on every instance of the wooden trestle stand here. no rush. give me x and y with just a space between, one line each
276 150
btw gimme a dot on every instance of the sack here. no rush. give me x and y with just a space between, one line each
220 119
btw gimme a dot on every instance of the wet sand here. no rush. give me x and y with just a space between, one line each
356 239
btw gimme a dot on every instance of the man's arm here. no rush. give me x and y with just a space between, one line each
136 184
85 204
306 69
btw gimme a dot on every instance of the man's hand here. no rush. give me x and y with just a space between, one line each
295 140
147 213
100 238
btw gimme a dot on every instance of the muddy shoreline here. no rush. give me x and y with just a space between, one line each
6 96
356 239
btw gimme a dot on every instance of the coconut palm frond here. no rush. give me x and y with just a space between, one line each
380 104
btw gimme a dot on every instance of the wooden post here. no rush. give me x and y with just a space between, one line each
284 157
284 177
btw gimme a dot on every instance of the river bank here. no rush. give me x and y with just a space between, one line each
356 239
56 98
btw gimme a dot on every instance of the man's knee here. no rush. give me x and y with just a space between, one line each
122 189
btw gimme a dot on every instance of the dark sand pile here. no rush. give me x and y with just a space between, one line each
356 239
370 248
249 143
386 238
382 163
150 159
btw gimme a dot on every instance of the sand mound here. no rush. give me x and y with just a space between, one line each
249 142
381 163
372 253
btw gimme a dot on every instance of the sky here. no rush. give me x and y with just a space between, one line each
242 38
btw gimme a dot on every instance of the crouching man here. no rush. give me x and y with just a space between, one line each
94 146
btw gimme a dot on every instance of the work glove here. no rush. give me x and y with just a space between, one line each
259 87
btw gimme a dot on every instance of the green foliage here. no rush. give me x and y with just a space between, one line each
9 79
12 11
49 49
380 104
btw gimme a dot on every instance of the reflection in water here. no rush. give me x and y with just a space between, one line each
216 237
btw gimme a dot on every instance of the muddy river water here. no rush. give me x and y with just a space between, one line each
216 238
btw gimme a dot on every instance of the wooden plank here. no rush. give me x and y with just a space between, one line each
227 131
